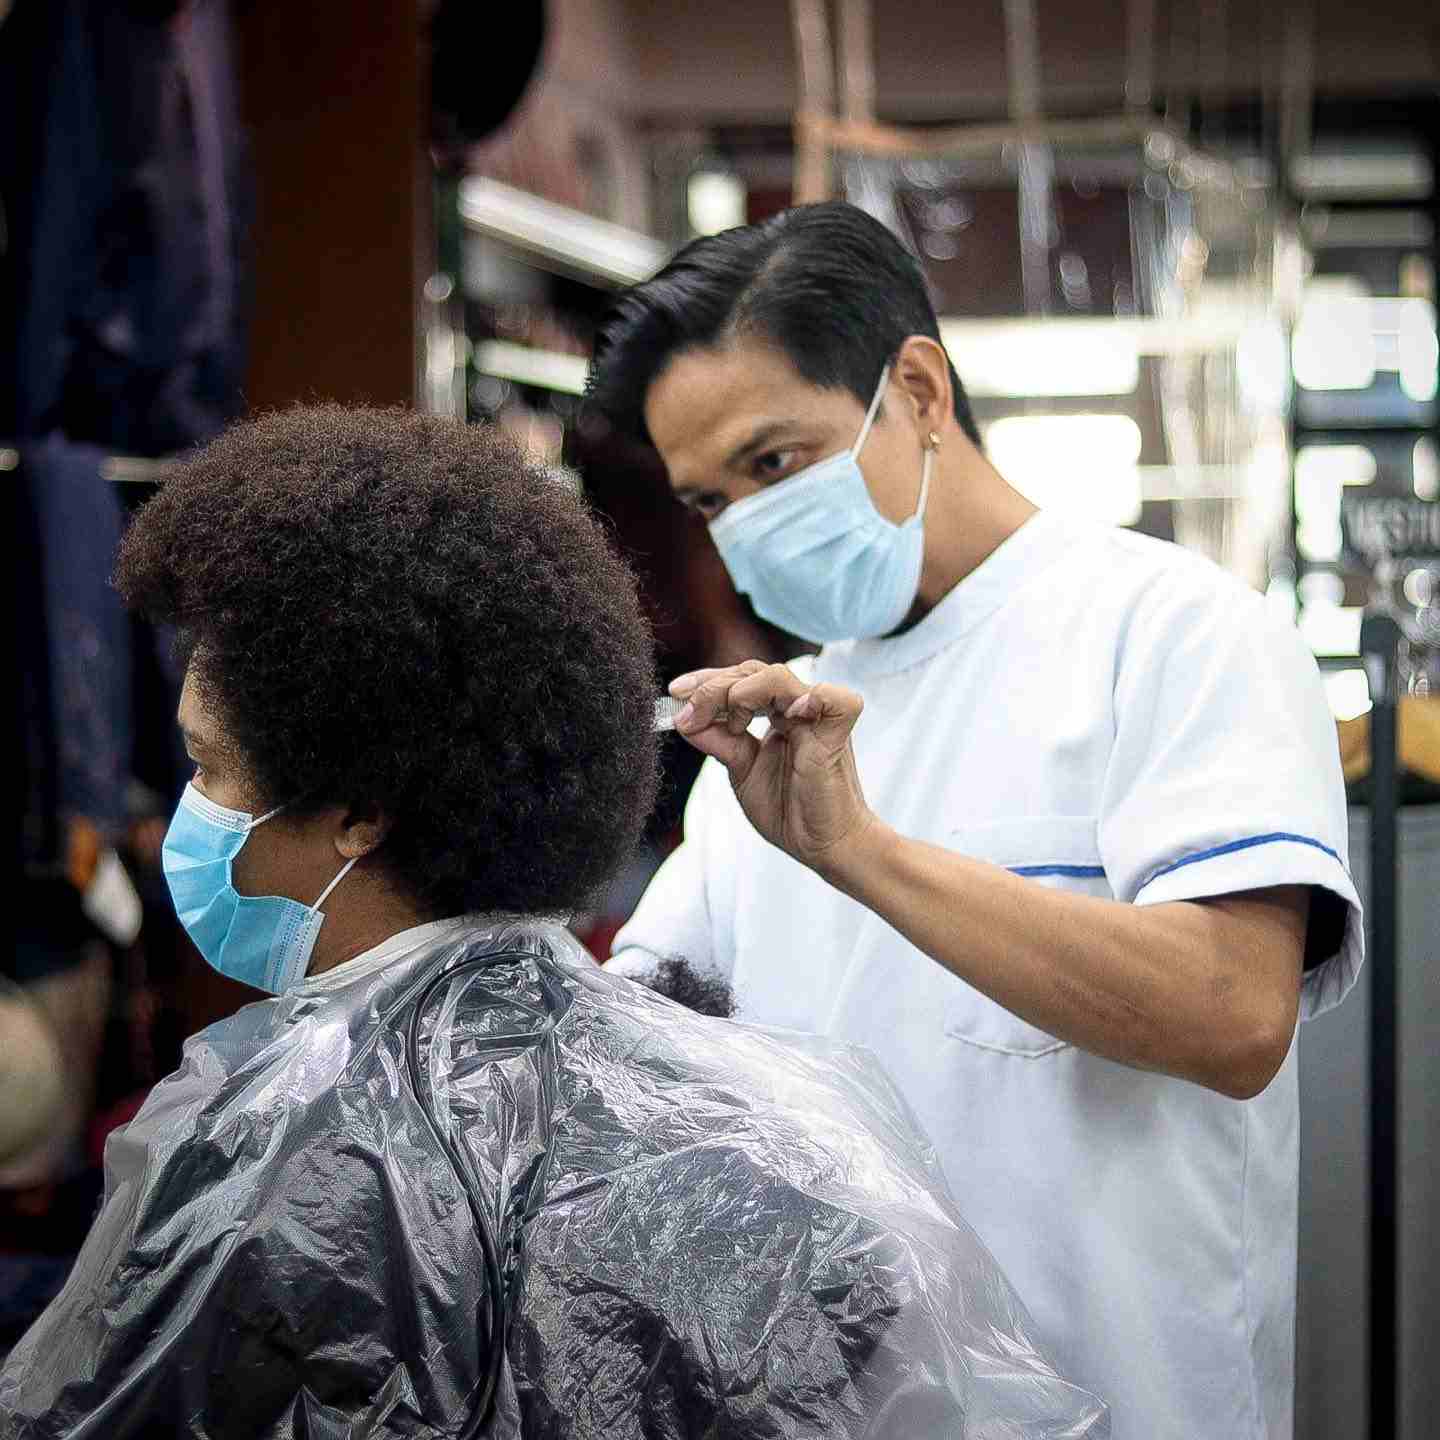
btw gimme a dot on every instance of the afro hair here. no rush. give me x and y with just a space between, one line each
397 611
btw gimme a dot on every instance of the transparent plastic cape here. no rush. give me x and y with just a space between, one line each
703 1229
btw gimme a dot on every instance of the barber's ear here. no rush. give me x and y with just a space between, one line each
363 829
922 366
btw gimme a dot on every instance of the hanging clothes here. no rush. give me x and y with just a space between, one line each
124 193
123 200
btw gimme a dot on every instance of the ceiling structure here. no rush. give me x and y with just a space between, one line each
735 62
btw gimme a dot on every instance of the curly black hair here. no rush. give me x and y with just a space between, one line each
396 611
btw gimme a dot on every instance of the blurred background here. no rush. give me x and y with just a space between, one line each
1185 259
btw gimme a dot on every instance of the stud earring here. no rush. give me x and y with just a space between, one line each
934 440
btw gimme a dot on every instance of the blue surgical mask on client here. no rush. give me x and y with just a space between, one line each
816 557
262 940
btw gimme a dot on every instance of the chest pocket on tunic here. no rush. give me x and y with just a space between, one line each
1061 851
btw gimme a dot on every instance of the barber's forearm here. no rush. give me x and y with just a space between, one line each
1166 987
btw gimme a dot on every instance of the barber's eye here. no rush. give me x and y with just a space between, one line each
773 463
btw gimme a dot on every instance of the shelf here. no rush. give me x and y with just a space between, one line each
558 237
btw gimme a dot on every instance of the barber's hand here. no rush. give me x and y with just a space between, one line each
798 786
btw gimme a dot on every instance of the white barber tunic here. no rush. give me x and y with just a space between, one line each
1107 714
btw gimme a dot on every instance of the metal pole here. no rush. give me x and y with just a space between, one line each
1140 54
1037 162
857 60
815 63
1380 645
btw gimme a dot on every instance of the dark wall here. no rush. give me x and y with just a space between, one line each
332 93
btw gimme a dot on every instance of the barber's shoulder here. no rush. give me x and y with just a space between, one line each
1169 601
1161 575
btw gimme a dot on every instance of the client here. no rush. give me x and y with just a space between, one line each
452 1178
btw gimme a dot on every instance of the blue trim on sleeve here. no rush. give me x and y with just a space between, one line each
1074 871
1247 844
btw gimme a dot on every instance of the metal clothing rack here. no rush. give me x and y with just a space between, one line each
1382 643
1380 637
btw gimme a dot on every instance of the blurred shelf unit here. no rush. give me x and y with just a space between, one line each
1364 354
534 275
557 237
524 365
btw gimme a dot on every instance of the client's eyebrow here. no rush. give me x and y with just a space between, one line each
193 739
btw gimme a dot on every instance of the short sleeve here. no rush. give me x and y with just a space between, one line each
682 911
1225 771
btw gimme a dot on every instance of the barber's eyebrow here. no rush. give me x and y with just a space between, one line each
761 437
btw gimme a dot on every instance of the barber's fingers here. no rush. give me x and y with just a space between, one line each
730 700
769 691
736 695
830 710
737 753
682 686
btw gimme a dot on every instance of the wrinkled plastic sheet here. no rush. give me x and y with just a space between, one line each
705 1228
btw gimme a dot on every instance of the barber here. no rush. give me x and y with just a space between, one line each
1054 822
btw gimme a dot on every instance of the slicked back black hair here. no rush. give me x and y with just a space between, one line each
828 285
396 611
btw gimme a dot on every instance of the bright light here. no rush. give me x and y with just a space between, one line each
1320 480
1280 597
1343 339
1333 347
441 379
1349 693
1332 629
551 370
1420 587
1083 464
1260 366
1043 358
715 201
1425 469
1418 349
1322 589
1345 464
1392 174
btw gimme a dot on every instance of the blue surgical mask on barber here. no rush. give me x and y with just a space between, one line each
261 940
816 557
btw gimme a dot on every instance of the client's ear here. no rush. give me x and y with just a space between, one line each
363 828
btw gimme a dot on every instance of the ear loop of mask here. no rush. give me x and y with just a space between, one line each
325 893
926 465
871 413
344 869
